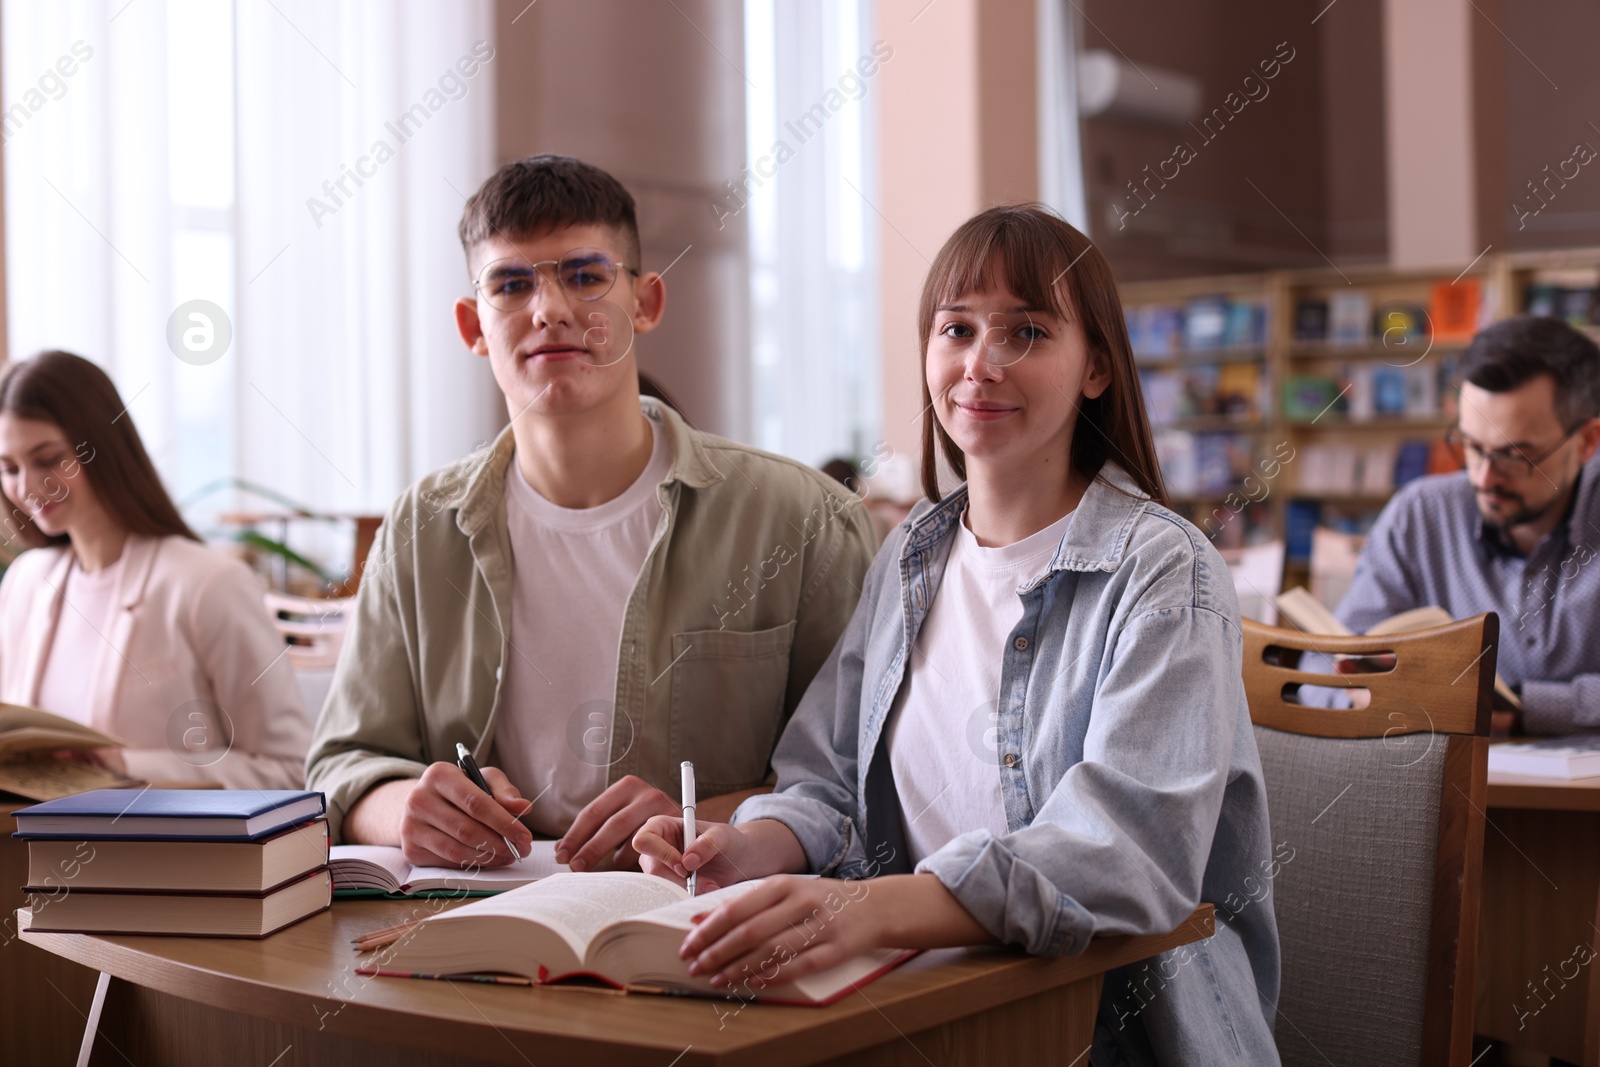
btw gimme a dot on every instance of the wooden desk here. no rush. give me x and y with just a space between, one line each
1541 910
44 999
295 995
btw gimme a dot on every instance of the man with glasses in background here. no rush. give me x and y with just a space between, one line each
1518 530
598 595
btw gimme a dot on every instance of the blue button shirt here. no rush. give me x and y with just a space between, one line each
1431 547
1127 763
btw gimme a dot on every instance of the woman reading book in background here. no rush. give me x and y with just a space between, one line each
1037 707
118 616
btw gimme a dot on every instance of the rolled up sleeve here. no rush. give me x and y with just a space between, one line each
1561 707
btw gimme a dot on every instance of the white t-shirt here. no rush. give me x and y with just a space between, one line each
943 743
82 627
572 572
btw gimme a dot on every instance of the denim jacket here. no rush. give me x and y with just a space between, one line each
1127 765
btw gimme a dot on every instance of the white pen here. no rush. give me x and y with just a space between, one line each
688 813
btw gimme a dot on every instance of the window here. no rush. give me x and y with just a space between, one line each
163 152
813 233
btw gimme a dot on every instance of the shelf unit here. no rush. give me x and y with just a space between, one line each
1271 453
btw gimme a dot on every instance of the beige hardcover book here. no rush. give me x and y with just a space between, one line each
180 866
104 911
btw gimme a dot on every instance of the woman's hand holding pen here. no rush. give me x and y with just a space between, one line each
713 855
449 822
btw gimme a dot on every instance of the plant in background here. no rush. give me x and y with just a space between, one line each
262 539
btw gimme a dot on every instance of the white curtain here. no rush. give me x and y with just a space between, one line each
809 189
1060 148
301 165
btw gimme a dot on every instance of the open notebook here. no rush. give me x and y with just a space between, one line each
620 927
381 870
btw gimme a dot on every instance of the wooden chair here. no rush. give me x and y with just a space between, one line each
314 631
1380 813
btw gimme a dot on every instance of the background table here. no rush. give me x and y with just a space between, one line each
294 998
1541 902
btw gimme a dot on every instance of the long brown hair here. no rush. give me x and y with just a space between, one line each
1048 264
79 397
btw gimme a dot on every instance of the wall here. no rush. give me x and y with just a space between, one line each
1552 91
1356 224
958 132
1225 209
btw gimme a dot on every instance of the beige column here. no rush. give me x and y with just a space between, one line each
654 93
956 134
1429 110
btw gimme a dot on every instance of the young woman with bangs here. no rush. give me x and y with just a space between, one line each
1034 729
118 616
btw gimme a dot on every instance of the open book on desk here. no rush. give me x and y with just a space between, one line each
383 871
1312 616
620 927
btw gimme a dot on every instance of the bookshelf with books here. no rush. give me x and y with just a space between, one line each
1563 284
1371 377
1201 346
1286 400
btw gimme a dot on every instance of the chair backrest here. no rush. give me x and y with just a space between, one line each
1377 818
313 629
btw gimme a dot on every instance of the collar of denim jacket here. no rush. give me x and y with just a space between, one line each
1095 540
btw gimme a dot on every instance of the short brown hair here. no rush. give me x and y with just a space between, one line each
1515 351
1048 264
544 192
74 394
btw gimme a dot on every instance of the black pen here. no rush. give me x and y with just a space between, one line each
469 767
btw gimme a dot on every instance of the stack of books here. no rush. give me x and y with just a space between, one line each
197 862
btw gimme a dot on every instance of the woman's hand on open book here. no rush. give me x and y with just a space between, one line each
784 929
109 758
788 927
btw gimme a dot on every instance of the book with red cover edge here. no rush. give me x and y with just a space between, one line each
545 978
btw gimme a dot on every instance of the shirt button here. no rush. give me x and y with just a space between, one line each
1530 642
1011 758
1021 644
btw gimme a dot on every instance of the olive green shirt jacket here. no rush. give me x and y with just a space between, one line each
754 570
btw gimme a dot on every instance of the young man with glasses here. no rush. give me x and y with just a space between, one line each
1517 531
600 594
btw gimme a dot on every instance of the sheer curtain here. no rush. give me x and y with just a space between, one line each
814 291
298 165
1060 150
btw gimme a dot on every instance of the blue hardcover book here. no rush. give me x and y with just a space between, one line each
170 814
1300 521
